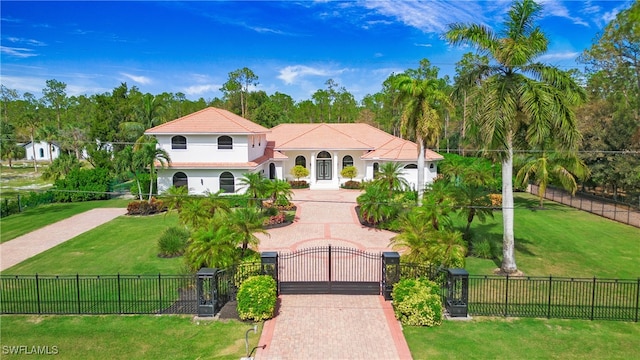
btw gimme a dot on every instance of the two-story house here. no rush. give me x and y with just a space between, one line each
212 148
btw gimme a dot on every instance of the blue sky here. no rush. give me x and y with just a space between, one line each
293 46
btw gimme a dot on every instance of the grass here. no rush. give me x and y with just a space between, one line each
21 178
41 216
561 241
125 245
128 337
489 338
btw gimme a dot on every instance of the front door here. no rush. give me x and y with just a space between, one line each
323 166
324 169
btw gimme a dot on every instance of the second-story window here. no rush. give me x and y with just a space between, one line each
225 142
178 142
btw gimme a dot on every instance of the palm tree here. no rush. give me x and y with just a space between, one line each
194 213
435 210
148 116
413 238
214 247
473 200
255 186
175 197
375 204
148 153
245 222
216 203
49 134
516 95
421 119
279 191
544 167
390 177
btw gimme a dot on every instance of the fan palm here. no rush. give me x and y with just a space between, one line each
516 95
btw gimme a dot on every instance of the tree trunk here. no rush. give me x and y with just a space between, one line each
50 153
464 122
508 250
33 147
420 180
150 182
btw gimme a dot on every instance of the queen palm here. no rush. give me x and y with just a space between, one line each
516 95
423 99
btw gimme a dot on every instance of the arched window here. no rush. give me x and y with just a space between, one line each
376 168
431 166
300 160
272 171
41 152
180 179
411 166
227 182
225 142
324 155
347 161
178 142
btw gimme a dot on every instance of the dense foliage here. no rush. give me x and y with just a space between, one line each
173 241
417 302
257 298
83 185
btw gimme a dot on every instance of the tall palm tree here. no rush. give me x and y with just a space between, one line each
148 153
516 95
148 115
424 99
544 167
245 222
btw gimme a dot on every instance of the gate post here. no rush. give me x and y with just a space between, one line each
390 272
207 292
457 298
269 266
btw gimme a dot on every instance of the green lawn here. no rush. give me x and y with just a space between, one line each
35 218
562 241
128 337
21 179
125 245
489 338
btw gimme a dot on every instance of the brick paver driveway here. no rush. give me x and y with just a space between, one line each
330 326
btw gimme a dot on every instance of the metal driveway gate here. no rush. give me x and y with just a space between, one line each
330 270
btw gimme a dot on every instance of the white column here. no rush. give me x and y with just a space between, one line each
335 178
312 167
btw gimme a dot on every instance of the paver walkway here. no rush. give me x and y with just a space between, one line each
23 247
330 326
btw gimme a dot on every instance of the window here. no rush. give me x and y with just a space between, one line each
178 142
411 166
431 166
300 160
324 155
180 180
225 142
347 161
376 168
227 182
41 153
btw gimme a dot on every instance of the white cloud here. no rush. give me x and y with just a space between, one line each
25 41
200 89
139 79
567 55
423 45
555 8
291 74
17 52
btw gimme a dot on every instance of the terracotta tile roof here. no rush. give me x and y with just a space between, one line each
209 121
357 136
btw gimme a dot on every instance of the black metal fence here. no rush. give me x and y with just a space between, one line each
554 297
607 208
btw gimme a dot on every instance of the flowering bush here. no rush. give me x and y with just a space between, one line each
145 208
416 302
257 298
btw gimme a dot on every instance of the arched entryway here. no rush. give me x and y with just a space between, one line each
272 171
323 166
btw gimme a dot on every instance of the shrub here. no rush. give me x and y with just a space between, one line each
173 242
416 302
144 207
83 185
280 218
299 171
349 172
483 249
352 185
299 184
257 298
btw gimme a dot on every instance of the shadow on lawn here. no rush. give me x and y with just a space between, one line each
484 231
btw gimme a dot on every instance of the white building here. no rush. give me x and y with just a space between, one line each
41 150
212 148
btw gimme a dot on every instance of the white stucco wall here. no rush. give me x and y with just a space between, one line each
204 148
42 151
